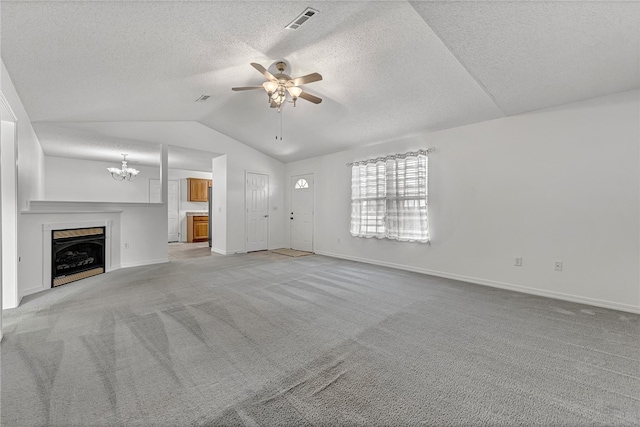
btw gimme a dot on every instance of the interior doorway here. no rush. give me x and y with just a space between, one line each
301 212
173 205
257 203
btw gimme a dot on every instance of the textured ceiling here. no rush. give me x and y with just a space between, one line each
532 55
390 69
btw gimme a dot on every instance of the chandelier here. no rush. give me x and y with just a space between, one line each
124 174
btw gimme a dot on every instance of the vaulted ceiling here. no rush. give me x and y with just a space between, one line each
390 68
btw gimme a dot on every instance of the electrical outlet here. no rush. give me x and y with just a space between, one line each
126 245
557 265
517 261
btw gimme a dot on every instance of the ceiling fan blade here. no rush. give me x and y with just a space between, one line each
309 78
263 71
310 98
246 88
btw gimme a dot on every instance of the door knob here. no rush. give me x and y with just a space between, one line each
266 216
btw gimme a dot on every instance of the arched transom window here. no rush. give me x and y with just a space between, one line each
301 184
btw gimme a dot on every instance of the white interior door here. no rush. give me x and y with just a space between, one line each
257 192
301 217
173 213
173 205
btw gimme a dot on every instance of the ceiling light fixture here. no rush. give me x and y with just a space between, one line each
279 88
124 174
282 88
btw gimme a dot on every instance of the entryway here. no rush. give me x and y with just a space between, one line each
301 213
173 198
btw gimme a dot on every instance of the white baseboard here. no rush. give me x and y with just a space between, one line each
494 284
222 252
32 290
142 263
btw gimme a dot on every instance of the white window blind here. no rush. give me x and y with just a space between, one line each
389 198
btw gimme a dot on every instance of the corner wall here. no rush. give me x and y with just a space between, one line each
30 185
557 184
30 154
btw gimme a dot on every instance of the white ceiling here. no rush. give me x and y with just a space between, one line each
390 69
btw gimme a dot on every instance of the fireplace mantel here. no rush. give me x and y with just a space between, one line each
70 206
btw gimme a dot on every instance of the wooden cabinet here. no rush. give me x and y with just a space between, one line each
197 228
197 189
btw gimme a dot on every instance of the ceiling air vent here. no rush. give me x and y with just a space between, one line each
302 18
203 98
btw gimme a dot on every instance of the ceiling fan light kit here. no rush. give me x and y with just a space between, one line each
282 88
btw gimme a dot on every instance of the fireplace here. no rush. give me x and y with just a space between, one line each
77 254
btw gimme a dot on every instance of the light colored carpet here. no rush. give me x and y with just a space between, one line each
291 252
262 339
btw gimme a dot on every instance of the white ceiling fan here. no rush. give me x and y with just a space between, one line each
280 85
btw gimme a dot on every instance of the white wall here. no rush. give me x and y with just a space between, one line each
239 158
30 173
86 180
30 155
8 155
558 184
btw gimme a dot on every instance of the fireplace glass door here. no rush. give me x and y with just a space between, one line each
77 254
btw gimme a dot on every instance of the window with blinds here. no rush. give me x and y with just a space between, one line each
389 198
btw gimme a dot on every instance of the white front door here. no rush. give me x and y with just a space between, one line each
173 201
257 192
173 214
301 213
